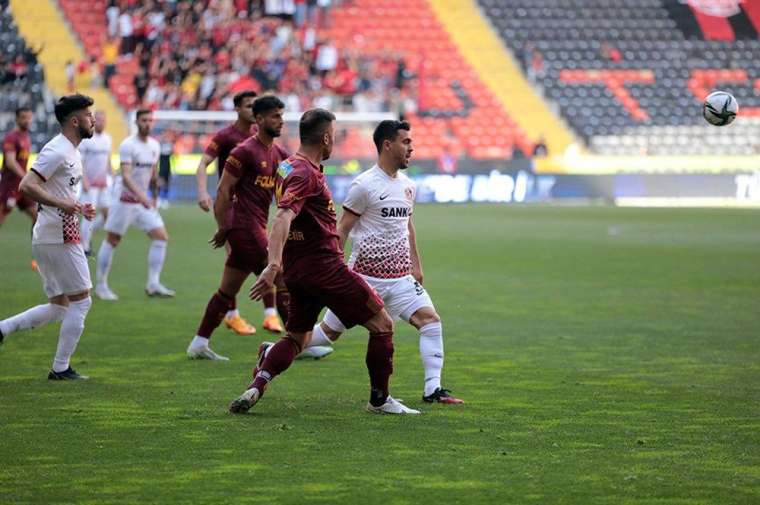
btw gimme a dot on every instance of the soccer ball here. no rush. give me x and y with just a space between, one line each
720 108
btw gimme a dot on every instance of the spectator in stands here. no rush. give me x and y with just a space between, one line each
126 32
112 17
540 150
70 75
109 56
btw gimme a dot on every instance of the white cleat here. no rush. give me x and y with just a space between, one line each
244 402
160 291
391 406
104 293
205 353
316 352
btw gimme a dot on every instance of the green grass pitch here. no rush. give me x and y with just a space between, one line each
607 356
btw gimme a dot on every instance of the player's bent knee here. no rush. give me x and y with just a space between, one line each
159 234
60 300
424 316
380 323
113 239
78 296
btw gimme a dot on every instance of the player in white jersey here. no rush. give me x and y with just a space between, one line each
96 183
52 183
138 157
377 213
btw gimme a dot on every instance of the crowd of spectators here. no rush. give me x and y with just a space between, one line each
194 55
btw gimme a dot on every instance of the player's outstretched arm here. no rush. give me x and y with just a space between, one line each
277 238
414 253
222 207
31 186
204 199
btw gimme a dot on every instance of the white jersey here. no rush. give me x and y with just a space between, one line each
59 165
96 159
381 235
143 157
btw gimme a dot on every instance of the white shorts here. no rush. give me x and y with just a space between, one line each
63 268
123 215
402 298
99 197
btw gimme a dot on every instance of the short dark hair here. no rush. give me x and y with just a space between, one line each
71 103
21 110
142 112
238 99
313 125
266 103
388 130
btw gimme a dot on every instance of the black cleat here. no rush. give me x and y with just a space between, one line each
441 395
67 375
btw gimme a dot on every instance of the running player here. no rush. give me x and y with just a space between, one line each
304 241
16 146
138 155
219 148
96 160
378 216
249 174
52 183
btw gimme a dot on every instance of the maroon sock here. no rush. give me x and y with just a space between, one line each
233 303
268 300
278 359
380 365
283 301
217 307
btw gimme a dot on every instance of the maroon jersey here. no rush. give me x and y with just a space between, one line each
224 142
302 188
20 142
255 166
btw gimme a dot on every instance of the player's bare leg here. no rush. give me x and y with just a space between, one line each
105 259
156 256
216 309
428 323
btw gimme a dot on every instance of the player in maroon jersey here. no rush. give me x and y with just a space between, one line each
249 174
16 147
304 245
218 149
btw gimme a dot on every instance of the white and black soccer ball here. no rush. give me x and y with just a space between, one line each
720 108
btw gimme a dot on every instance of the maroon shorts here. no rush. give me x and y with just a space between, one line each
333 285
11 197
248 250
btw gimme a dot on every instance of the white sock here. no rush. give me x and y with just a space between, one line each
156 256
33 318
98 222
270 311
199 342
319 337
71 329
232 313
105 257
431 351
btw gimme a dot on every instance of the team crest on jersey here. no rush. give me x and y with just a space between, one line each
409 192
284 169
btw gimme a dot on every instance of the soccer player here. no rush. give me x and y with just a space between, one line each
138 155
16 146
377 213
248 175
219 148
96 160
303 244
56 246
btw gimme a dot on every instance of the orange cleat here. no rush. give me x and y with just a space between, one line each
239 325
273 324
34 265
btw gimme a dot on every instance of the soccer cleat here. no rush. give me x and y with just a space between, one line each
239 325
391 406
441 395
2 337
104 293
244 402
67 375
34 266
262 354
204 353
315 352
272 323
160 291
